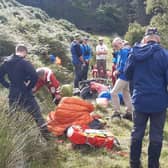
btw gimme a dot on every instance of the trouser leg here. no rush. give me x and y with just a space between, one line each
118 87
85 72
140 121
157 122
78 75
33 108
127 97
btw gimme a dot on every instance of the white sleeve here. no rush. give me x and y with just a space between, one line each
97 48
49 75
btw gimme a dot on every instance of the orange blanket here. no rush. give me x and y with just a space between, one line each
70 111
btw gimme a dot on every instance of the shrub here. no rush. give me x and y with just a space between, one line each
21 142
7 46
135 33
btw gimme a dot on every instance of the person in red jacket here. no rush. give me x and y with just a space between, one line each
47 78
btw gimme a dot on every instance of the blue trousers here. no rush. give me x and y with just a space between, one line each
157 121
78 74
85 72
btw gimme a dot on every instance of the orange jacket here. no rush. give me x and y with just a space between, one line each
70 111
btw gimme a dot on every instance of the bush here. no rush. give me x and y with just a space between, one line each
7 46
21 143
56 47
160 21
135 33
3 19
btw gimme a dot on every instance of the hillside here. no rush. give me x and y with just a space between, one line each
32 26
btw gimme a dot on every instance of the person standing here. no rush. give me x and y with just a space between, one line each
114 62
22 78
77 60
121 85
147 67
101 56
86 52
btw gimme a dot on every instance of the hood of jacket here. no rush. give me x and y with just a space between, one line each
143 52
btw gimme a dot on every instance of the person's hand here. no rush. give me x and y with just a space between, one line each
57 99
116 73
83 65
34 90
27 83
87 61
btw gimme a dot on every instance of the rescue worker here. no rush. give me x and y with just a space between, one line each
47 78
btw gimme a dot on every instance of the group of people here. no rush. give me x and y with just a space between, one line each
145 66
81 55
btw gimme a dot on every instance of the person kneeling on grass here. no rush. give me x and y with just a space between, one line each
47 78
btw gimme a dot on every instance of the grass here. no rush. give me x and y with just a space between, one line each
22 145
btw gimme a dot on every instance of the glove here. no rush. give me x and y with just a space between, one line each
57 98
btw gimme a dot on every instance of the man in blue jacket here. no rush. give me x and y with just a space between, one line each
77 60
86 53
147 67
22 78
121 85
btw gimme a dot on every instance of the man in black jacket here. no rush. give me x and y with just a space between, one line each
22 78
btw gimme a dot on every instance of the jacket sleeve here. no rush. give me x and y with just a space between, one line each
38 85
78 50
90 52
122 61
31 74
2 76
129 67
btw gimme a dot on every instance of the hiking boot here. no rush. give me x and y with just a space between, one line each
127 116
116 115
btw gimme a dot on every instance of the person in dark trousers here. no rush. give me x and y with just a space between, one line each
147 67
86 53
22 78
77 60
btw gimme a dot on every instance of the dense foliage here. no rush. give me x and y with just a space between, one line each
158 10
102 16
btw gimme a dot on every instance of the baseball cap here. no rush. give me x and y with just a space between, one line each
86 38
151 31
100 38
77 35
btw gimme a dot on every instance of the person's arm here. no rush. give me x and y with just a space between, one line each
90 52
79 53
31 75
129 67
38 85
122 61
105 52
54 81
2 76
